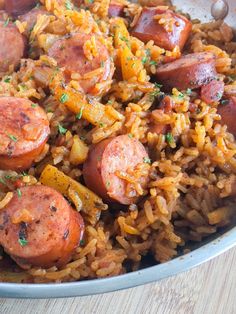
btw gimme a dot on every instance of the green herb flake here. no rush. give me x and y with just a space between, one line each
130 135
22 87
124 38
144 60
19 194
108 183
158 85
82 242
181 95
219 95
224 102
110 102
152 62
2 181
102 64
7 79
22 241
64 98
6 22
101 125
90 1
189 91
169 138
148 52
79 115
8 176
33 105
12 137
147 160
68 5
61 129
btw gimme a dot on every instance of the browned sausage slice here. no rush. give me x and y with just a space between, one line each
23 133
12 46
190 71
150 26
105 159
212 91
70 53
31 17
38 227
17 7
228 114
115 9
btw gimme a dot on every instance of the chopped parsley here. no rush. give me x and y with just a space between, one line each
110 102
61 129
82 242
101 125
6 22
124 38
152 62
130 135
224 102
147 160
64 98
12 137
181 95
19 194
34 105
108 183
144 60
102 64
68 5
2 181
156 92
169 138
90 1
79 115
22 241
188 91
8 176
7 79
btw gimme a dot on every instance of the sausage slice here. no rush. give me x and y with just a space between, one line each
190 71
12 46
212 91
31 17
115 9
39 228
17 7
228 114
23 133
70 54
105 159
174 32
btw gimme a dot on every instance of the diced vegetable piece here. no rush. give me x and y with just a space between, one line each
130 65
94 112
121 34
91 203
79 151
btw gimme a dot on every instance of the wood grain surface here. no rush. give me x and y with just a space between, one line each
207 289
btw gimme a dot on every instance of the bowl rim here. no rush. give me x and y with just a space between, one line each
147 275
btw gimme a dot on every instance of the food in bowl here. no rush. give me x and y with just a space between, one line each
117 136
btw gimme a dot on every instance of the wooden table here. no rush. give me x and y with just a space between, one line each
207 289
